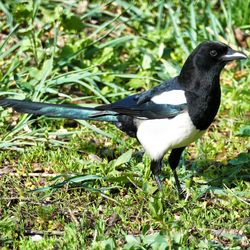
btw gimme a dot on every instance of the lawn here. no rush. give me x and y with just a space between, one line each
69 184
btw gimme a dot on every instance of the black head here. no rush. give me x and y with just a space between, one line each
209 58
215 54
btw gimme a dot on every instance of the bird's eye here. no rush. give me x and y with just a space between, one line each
213 53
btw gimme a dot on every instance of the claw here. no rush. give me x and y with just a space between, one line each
158 181
156 170
181 193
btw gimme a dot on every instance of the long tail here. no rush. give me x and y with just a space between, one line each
59 110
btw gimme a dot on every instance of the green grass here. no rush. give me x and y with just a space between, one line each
77 184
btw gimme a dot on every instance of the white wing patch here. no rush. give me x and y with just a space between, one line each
174 97
157 136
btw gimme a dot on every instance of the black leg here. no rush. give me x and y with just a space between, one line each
156 170
173 160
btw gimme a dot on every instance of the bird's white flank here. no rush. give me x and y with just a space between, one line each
157 136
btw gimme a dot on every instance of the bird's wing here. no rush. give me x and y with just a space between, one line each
169 85
158 103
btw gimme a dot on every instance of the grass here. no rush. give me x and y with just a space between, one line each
86 185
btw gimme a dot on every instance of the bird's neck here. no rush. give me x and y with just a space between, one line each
194 78
203 95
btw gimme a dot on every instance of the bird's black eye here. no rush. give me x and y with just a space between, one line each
213 53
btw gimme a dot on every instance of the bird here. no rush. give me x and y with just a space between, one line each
167 117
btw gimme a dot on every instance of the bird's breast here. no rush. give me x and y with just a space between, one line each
203 105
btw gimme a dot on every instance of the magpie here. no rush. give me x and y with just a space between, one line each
167 117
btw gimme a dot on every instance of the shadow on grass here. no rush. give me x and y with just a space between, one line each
213 173
207 175
217 174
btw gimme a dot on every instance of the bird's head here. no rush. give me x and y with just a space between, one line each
215 54
209 58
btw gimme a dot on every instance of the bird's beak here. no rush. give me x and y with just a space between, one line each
234 55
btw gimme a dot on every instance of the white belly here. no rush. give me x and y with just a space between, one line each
157 136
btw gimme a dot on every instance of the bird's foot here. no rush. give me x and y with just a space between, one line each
158 181
182 194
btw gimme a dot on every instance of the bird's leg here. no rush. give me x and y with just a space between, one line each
156 170
178 185
173 160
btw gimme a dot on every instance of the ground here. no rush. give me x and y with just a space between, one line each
86 185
